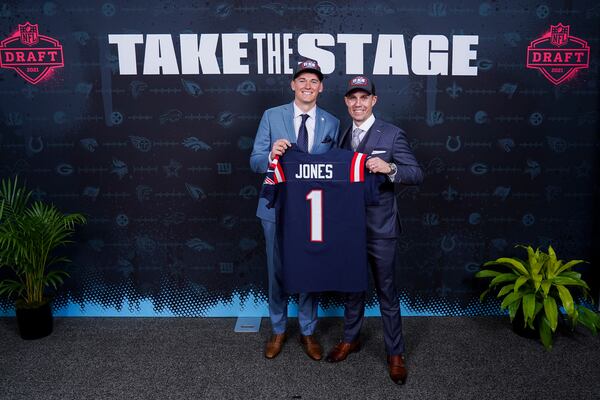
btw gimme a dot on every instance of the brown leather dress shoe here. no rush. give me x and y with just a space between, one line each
274 345
397 369
342 350
311 347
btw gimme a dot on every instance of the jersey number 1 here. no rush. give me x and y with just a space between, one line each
315 197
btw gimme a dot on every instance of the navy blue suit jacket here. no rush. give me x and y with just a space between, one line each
389 143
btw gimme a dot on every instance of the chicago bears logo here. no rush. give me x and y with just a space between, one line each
31 55
558 55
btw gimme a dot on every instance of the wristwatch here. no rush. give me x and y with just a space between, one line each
393 168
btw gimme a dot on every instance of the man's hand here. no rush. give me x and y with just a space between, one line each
377 165
279 147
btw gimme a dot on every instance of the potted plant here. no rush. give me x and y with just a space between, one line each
536 288
29 234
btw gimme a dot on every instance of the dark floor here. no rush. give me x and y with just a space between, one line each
181 358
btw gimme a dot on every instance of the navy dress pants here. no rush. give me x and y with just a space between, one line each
381 254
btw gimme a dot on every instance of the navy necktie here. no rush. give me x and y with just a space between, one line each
302 140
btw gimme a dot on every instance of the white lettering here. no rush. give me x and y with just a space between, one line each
430 55
354 51
462 55
259 37
160 53
274 53
233 53
314 171
191 52
390 54
287 52
126 51
308 47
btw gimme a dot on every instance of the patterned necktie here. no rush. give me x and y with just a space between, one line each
302 140
356 138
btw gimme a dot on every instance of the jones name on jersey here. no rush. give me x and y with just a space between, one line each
314 171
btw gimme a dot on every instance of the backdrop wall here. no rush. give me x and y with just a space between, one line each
159 162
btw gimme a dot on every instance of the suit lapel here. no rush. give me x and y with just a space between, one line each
288 120
319 129
373 137
342 139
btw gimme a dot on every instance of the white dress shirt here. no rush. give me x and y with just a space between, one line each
365 126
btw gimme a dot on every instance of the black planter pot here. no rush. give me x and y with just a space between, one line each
523 331
34 323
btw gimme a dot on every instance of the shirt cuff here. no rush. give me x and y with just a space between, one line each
393 174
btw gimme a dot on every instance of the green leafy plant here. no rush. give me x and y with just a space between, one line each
29 234
538 286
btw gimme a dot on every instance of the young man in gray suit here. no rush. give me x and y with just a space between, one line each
391 155
315 131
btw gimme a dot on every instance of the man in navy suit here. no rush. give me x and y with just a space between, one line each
391 155
315 131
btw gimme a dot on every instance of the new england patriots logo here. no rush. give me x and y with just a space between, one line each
359 81
309 64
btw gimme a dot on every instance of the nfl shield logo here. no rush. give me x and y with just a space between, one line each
559 34
29 34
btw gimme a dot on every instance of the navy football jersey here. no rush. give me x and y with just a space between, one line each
320 201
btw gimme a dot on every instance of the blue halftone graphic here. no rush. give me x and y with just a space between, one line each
250 305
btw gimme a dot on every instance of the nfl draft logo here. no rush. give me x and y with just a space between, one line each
558 55
31 55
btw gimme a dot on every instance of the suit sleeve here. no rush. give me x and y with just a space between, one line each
409 170
259 159
372 183
270 188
